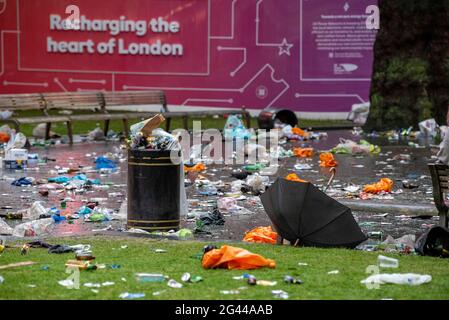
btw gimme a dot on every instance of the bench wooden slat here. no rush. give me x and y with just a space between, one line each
44 119
440 183
17 102
99 102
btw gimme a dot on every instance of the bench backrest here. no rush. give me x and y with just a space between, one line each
81 100
17 102
74 100
440 182
125 98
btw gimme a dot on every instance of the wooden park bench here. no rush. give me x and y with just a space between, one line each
31 102
127 98
440 182
100 107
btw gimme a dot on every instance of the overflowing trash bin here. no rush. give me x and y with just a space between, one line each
154 178
153 190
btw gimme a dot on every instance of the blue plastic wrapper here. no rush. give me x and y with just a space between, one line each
234 129
105 163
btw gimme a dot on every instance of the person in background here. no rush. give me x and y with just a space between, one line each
443 154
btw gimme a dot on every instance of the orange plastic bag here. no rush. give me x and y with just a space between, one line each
303 152
385 185
261 235
4 137
294 177
300 132
234 258
196 168
327 160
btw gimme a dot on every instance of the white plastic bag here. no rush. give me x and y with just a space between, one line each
33 228
257 182
5 229
428 127
36 210
359 113
17 141
398 278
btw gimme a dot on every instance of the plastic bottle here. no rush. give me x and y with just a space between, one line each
386 262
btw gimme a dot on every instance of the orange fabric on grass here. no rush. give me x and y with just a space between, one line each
234 258
327 160
294 177
384 185
303 152
196 168
261 235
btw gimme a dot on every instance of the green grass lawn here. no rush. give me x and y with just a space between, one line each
206 123
182 257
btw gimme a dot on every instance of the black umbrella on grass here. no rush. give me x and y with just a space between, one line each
306 216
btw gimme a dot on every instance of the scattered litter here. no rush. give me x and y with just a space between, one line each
384 185
150 277
265 283
333 272
131 296
229 292
174 284
68 283
327 160
396 278
280 294
351 147
386 262
292 280
16 265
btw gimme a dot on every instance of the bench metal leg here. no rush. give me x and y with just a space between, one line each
106 127
167 124
185 122
47 131
443 218
16 125
125 128
248 120
70 132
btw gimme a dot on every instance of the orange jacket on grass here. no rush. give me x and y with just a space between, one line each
234 258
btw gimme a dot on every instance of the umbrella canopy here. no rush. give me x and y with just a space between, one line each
302 213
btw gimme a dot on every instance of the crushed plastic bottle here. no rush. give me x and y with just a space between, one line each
150 277
130 296
386 262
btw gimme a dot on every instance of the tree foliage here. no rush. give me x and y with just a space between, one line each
411 64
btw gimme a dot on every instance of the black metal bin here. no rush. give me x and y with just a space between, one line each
153 190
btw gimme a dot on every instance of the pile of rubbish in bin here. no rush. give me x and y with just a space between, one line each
146 135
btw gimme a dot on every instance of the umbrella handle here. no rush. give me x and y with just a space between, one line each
333 171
